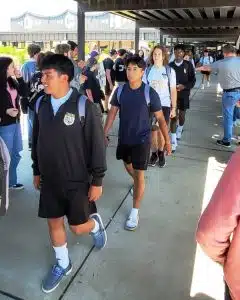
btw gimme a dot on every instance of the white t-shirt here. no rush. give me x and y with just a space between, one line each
158 79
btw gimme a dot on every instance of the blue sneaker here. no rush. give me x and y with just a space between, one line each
100 237
54 277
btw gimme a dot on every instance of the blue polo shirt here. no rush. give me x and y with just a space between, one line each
135 115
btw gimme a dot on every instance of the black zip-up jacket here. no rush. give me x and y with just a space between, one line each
185 75
6 102
63 151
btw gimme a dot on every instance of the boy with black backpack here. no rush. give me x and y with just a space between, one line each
136 103
69 157
186 79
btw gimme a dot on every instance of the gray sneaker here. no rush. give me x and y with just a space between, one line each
54 277
100 237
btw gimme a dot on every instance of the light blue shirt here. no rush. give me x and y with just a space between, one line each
56 103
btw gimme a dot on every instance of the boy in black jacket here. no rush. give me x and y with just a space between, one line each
70 157
186 79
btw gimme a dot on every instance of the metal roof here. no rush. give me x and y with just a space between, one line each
186 19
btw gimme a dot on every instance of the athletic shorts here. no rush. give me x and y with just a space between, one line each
166 112
137 155
205 72
183 103
70 200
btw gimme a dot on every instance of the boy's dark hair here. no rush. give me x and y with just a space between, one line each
72 45
33 49
136 60
228 49
179 47
121 52
60 64
62 49
238 52
113 52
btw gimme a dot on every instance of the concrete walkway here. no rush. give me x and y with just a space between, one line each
158 261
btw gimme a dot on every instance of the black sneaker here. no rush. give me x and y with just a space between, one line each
153 159
17 186
224 144
161 161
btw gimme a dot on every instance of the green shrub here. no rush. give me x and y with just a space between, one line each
19 55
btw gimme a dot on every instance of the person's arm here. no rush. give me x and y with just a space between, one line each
23 89
173 93
34 155
95 143
191 77
112 114
89 94
109 79
221 217
164 130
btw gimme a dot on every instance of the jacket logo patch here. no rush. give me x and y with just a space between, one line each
69 119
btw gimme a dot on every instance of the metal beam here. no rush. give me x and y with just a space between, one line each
209 12
236 12
182 13
196 13
235 22
114 5
223 12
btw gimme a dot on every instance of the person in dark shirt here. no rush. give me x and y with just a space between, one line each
135 128
119 67
70 158
186 79
110 76
92 85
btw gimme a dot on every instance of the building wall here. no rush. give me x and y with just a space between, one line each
67 21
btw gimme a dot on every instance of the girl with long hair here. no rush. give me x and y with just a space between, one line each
12 87
163 79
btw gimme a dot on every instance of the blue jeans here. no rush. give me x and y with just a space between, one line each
12 136
30 125
229 101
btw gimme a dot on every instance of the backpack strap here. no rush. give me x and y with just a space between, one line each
119 92
147 94
148 72
82 108
38 102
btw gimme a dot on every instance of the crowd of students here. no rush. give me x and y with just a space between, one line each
65 100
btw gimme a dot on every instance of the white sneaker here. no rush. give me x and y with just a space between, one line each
132 223
202 87
208 84
174 147
179 135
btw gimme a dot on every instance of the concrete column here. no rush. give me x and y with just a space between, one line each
81 33
161 38
137 37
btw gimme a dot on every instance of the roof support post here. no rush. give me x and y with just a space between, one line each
161 37
81 32
238 43
137 37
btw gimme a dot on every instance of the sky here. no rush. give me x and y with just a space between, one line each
13 8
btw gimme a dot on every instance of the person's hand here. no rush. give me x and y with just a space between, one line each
107 140
37 182
180 87
81 64
12 112
94 193
17 73
82 78
173 113
168 148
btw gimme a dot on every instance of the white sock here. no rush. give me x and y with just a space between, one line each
174 138
96 227
62 256
180 129
134 213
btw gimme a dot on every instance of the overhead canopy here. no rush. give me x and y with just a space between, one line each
186 19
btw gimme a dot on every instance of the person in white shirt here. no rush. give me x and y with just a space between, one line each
163 79
206 59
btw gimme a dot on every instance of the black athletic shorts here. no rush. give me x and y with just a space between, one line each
205 72
70 200
183 103
137 155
